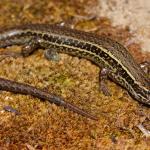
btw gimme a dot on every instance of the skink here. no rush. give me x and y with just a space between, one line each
116 61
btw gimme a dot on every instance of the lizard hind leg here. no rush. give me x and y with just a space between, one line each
26 50
51 54
30 47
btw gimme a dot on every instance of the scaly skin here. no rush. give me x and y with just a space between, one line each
104 52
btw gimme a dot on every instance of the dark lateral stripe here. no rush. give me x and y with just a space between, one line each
89 48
